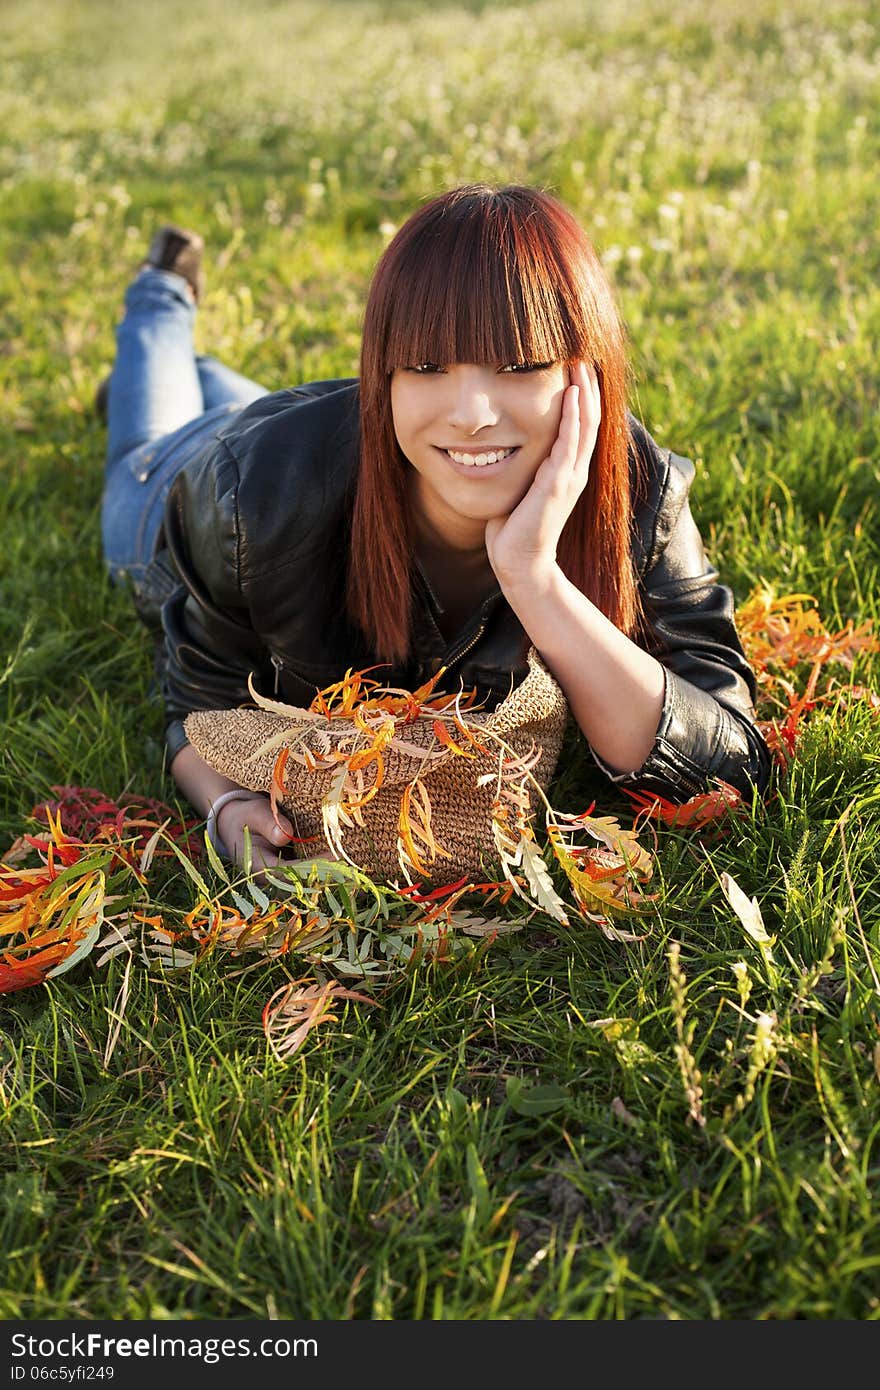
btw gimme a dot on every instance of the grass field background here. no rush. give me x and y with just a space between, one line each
511 1136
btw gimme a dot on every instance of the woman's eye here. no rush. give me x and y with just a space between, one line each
425 368
526 366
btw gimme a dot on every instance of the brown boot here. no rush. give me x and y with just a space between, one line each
172 248
175 248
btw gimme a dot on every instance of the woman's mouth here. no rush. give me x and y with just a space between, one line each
485 458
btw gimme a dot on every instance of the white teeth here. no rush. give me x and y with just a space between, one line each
478 460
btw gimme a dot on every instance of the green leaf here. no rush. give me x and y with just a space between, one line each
258 896
288 886
335 904
215 861
244 905
535 1100
478 1184
190 869
458 1104
88 864
82 950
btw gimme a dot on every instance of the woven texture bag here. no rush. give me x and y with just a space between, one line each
530 721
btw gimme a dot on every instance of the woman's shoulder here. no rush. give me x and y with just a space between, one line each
283 474
278 468
281 441
316 406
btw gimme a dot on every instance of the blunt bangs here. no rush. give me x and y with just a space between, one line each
480 280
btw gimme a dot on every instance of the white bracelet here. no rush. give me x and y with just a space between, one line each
236 794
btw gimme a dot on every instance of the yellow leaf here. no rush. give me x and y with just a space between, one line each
747 910
538 878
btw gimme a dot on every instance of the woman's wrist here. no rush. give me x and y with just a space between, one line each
212 826
532 584
198 782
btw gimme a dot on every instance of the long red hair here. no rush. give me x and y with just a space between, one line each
488 275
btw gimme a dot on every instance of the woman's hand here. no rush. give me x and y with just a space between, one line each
267 838
524 543
202 787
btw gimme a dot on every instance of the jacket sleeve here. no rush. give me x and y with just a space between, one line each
707 727
210 643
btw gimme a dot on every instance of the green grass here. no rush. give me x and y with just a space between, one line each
402 1165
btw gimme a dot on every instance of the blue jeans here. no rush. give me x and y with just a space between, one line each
165 404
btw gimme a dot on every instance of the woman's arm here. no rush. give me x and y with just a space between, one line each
210 647
614 689
201 786
671 727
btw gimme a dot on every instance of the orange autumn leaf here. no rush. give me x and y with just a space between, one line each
49 925
698 811
779 633
337 701
602 887
469 734
414 824
445 737
296 1008
22 974
277 787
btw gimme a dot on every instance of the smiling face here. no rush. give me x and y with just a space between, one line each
475 435
478 276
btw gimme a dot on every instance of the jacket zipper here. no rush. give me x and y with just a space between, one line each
471 642
279 666
675 773
463 651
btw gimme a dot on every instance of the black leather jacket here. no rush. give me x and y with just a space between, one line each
252 579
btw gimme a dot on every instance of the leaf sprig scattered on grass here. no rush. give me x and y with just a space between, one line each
328 913
783 635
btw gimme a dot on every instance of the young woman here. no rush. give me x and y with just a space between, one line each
479 488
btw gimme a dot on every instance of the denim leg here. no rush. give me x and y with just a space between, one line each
154 408
133 505
159 417
223 386
154 388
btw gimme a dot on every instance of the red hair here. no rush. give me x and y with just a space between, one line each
488 275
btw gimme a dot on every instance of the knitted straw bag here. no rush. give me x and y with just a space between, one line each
530 721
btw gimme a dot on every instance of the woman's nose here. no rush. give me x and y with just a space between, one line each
472 403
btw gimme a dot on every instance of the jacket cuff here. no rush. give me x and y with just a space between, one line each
175 739
698 741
